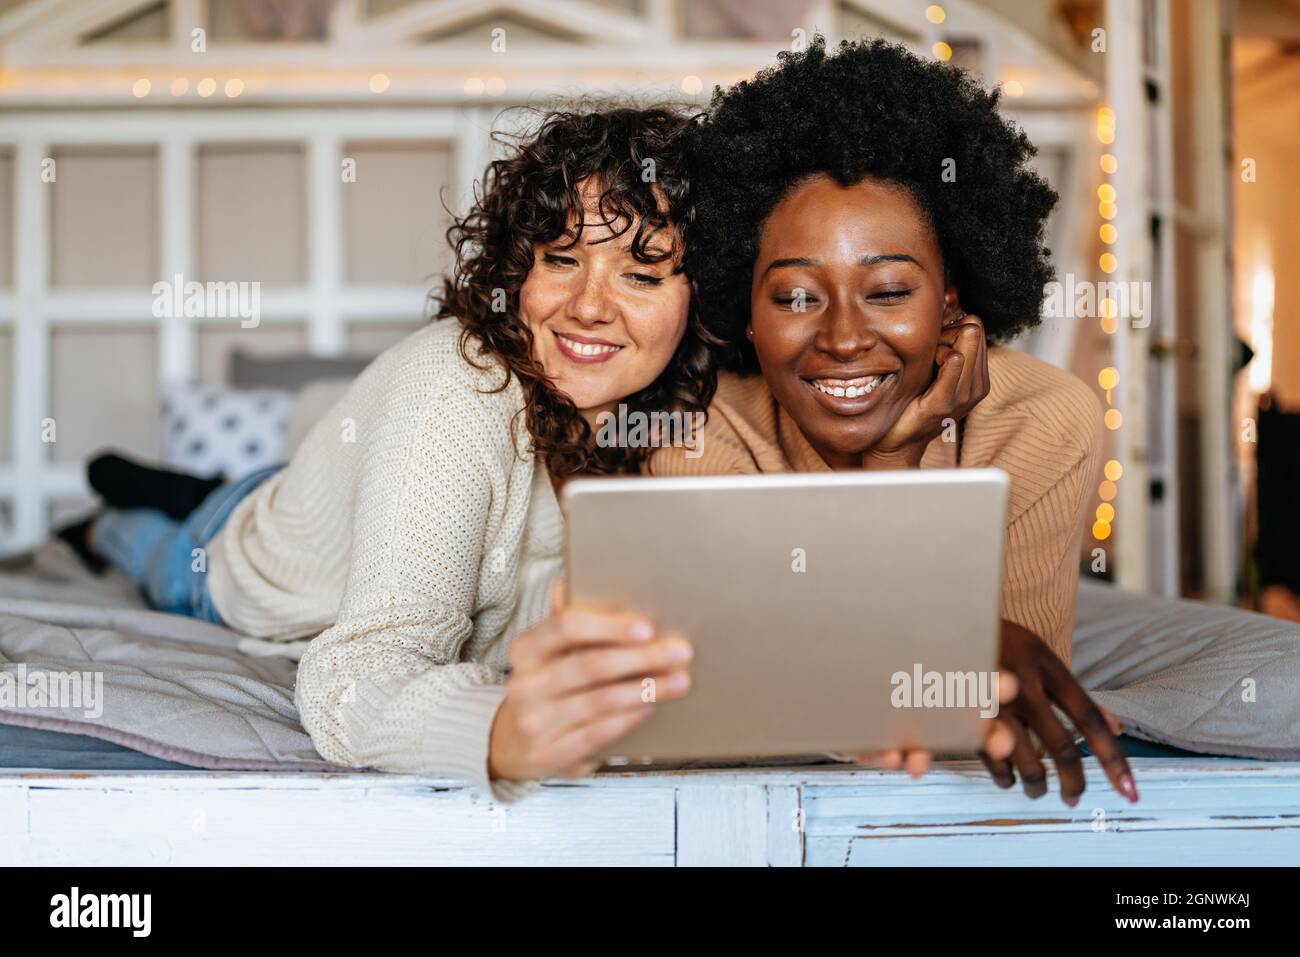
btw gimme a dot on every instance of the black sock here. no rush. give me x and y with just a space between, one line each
126 484
75 535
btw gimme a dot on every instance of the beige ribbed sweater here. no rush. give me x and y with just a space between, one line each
1039 424
418 534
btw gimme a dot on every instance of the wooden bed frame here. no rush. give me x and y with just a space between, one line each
1198 811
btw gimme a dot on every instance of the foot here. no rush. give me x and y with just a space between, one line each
126 484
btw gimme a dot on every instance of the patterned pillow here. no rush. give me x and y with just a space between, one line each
215 430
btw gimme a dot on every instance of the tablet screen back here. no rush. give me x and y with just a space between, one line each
844 612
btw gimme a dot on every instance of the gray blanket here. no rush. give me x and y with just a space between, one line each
1203 678
172 687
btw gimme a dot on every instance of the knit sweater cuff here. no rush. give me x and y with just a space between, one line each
460 740
449 737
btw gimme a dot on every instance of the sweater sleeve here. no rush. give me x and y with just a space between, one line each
385 687
1042 561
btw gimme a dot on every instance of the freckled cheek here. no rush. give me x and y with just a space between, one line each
658 330
540 300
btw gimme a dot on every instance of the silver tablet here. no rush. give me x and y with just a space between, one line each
833 612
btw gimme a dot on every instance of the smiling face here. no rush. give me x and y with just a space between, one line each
604 323
846 306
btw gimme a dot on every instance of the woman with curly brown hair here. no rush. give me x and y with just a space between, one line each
417 529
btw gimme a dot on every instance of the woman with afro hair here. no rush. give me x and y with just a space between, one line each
867 230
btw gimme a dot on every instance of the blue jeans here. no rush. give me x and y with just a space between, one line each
166 558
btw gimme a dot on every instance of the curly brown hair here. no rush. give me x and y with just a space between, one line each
531 196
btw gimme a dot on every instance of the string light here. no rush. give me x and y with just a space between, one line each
1107 378
941 51
140 88
935 13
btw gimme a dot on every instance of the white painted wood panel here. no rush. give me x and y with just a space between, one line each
321 825
1195 811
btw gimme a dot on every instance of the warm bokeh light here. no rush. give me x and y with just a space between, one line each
1014 88
1106 134
1106 491
141 88
180 86
1109 325
207 86
1107 210
495 85
1108 308
1259 372
1108 378
1108 263
379 83
475 86
935 13
1113 470
1106 193
1113 419
234 87
1108 233
1105 512
1108 163
691 85
1101 531
941 51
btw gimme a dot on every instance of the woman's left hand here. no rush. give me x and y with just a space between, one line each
1046 681
1031 681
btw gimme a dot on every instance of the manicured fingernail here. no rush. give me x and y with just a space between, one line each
680 652
1128 788
642 630
1072 802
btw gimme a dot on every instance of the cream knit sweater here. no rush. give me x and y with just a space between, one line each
415 530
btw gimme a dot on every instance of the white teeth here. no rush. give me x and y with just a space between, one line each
586 348
848 388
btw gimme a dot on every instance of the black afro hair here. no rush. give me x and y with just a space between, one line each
872 109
